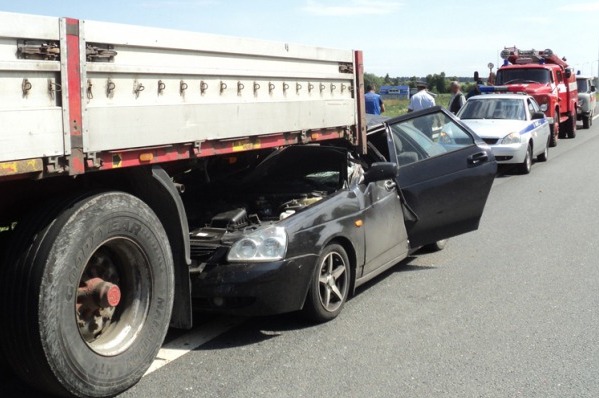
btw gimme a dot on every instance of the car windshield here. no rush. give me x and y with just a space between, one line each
583 87
493 108
524 75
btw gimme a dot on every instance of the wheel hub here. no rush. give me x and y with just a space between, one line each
102 293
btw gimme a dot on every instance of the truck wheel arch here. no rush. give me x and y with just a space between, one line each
155 187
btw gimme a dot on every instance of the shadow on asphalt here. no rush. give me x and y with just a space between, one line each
259 329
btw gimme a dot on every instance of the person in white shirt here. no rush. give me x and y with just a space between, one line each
422 99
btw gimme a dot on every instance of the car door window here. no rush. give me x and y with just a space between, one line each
445 190
427 136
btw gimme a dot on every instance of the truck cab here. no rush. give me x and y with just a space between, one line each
587 100
549 80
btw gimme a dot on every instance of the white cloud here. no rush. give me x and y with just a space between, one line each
577 7
352 7
535 20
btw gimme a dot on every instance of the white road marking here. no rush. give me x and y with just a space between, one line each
190 341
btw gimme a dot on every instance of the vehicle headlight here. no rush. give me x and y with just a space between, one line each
268 244
511 138
543 107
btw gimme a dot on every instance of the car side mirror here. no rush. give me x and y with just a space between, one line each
593 89
568 73
380 171
538 115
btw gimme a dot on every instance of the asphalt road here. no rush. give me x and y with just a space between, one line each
510 310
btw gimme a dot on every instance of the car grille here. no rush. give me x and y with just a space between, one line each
491 141
202 252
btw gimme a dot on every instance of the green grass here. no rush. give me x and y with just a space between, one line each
396 107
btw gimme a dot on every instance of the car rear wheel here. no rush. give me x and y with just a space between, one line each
545 155
526 165
330 284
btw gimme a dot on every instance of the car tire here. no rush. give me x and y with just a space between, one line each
58 330
330 283
526 165
545 155
586 121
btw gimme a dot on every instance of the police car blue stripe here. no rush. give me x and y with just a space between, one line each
533 125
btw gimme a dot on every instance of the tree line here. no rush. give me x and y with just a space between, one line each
438 83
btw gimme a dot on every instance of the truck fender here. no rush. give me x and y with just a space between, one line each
159 192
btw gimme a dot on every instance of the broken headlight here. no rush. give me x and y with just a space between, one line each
268 244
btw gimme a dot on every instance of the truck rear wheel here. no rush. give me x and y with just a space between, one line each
586 121
92 291
555 133
572 125
568 128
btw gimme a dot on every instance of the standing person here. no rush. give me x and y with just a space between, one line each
419 101
457 99
475 90
374 102
422 99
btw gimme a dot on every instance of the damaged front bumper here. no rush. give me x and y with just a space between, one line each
258 288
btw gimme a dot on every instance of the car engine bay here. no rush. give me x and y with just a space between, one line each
242 195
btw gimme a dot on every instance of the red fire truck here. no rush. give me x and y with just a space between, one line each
548 79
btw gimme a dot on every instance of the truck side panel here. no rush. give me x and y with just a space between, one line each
143 89
30 112
176 87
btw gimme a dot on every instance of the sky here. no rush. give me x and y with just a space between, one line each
399 38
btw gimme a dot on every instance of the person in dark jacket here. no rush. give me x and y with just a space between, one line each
457 99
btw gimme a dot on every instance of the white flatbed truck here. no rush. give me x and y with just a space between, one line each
96 120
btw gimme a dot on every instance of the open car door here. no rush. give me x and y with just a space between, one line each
445 173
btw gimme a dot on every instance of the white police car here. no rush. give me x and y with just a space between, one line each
513 126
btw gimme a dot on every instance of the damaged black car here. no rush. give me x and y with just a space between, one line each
299 228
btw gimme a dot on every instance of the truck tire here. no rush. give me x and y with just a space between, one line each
571 126
555 133
586 121
91 292
567 129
